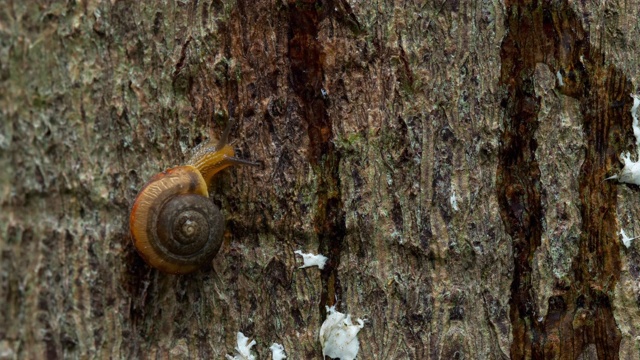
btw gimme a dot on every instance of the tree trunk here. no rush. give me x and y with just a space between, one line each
448 158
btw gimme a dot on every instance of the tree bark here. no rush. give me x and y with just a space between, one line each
448 158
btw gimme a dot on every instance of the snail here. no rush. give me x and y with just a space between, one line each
175 227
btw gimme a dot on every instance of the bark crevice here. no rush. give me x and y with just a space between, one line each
581 314
307 75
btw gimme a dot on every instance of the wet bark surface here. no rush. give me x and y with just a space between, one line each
447 157
305 58
580 312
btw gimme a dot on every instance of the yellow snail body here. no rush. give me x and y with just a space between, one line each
175 227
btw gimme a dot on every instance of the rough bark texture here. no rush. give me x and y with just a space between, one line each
369 118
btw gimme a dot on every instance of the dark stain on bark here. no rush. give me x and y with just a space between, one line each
579 316
306 58
444 144
277 273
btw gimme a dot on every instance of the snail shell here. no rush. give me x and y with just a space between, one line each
175 227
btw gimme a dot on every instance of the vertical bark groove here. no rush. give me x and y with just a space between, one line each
579 316
305 55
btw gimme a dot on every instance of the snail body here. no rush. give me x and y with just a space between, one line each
174 225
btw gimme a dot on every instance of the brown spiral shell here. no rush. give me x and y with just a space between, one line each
174 225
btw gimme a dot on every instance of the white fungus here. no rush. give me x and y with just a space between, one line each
453 200
277 352
243 349
559 77
312 260
339 336
630 173
625 239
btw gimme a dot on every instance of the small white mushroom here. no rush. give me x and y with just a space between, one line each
277 352
339 336
630 173
243 348
312 259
